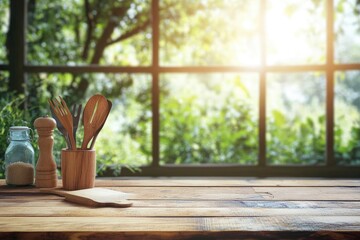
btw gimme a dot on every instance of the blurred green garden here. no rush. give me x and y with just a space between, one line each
205 118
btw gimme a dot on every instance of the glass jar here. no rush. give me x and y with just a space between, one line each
19 158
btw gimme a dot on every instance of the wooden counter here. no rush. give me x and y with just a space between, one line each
198 208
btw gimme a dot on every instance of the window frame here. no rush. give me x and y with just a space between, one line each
18 69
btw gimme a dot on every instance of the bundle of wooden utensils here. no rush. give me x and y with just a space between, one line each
94 116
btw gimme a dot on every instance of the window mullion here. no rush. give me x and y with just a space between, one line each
262 86
330 160
155 83
17 45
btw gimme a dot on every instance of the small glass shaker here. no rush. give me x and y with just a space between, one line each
19 158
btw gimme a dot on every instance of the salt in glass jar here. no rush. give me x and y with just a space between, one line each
19 158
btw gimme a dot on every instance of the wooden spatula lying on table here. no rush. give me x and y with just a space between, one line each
93 197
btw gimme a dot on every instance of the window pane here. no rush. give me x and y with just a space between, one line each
209 32
4 25
112 32
347 117
296 32
296 118
347 31
209 118
126 136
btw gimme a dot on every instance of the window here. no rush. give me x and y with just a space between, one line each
243 88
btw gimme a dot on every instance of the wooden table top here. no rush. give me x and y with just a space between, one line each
191 208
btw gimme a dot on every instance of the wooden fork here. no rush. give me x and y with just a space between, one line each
64 115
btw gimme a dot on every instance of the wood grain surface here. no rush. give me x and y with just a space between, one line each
197 208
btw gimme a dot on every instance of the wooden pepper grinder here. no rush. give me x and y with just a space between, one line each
46 166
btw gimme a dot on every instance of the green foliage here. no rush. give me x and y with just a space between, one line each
126 137
70 32
295 141
4 23
347 150
195 133
195 33
11 115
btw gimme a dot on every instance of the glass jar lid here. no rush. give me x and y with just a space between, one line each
19 133
19 128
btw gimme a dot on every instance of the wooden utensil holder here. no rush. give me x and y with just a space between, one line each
78 169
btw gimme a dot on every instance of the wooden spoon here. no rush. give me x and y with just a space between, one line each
94 116
98 131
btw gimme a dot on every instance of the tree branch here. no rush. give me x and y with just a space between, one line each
90 27
77 30
130 33
100 47
106 34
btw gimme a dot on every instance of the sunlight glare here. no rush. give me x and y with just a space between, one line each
295 33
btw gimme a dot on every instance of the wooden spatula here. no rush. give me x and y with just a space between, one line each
98 131
93 197
94 115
